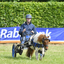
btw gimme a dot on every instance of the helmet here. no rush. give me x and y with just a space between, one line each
28 16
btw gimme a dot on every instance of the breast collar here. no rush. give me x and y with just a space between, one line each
36 44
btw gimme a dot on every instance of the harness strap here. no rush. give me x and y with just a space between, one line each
36 44
46 45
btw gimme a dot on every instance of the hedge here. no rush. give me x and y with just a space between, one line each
30 0
45 14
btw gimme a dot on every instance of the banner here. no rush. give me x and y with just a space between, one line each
9 33
12 33
56 34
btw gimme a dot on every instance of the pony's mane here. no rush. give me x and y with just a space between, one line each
40 37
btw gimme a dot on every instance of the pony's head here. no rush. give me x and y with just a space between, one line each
42 38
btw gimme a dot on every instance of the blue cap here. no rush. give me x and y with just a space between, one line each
28 16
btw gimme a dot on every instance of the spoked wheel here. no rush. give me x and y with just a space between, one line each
15 54
13 51
20 51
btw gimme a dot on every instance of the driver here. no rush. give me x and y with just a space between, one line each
27 28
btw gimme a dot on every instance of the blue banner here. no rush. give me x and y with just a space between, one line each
12 33
56 34
9 33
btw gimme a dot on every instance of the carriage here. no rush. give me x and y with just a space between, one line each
38 42
17 48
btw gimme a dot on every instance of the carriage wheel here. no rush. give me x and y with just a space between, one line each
13 51
20 51
15 54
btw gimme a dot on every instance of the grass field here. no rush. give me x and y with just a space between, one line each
54 55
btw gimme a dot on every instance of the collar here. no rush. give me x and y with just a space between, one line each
26 23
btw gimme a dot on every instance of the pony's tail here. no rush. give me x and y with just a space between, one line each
29 52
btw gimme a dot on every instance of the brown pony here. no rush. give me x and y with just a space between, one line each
40 43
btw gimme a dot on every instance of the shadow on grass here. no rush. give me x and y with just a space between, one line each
17 58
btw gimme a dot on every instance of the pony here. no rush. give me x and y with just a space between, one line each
39 45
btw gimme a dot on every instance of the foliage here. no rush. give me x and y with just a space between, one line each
30 0
45 14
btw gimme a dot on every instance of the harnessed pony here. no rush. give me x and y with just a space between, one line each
39 45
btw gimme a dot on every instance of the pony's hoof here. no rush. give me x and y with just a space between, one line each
30 58
36 58
40 59
43 55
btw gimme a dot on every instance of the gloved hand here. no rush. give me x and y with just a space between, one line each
24 30
32 31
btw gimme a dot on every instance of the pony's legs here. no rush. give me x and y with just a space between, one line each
30 56
43 51
36 53
42 55
29 52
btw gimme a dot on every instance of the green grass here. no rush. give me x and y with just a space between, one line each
54 55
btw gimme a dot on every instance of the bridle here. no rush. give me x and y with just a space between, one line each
43 41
